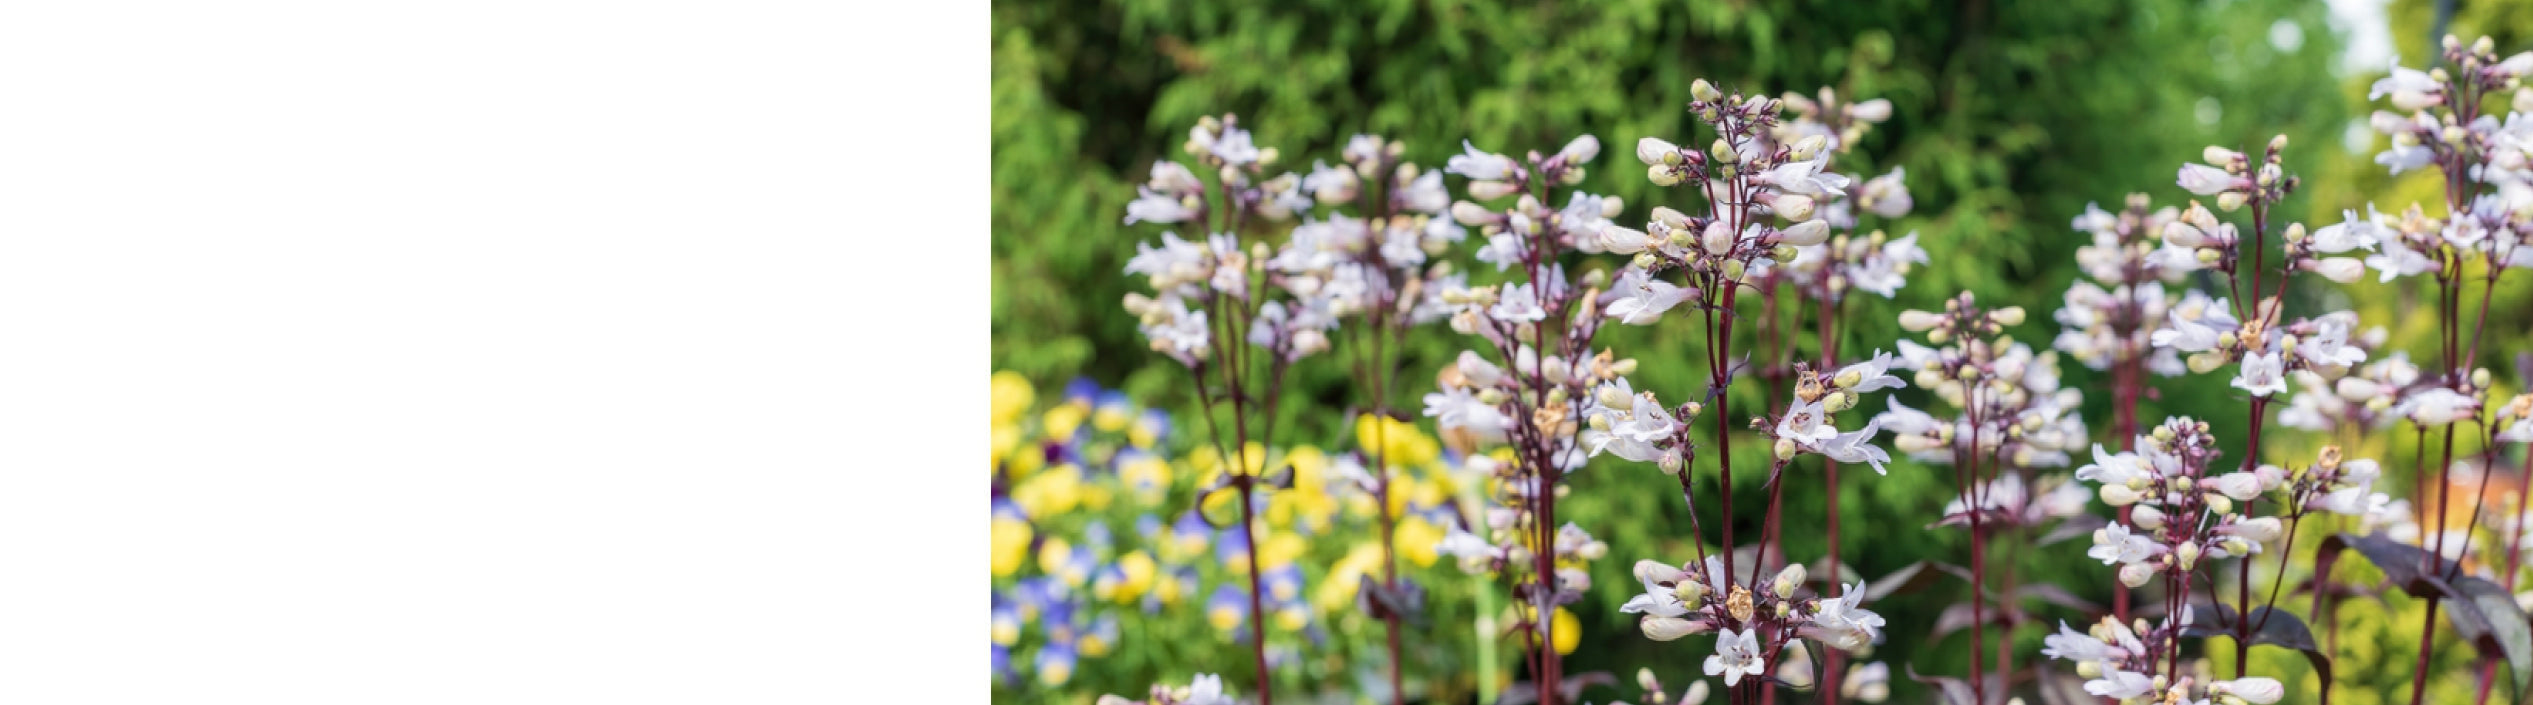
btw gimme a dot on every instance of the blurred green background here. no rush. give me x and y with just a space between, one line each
2009 117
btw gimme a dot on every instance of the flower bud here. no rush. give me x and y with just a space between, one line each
2242 486
1581 150
1669 628
1670 218
2220 156
2145 517
1788 580
2186 556
1653 151
1704 92
1662 175
2119 495
1719 238
1809 232
2255 690
1690 592
1792 206
1612 398
1468 213
1785 449
2136 574
2220 504
2342 270
2261 530
1919 321
2008 316
1876 110
2230 200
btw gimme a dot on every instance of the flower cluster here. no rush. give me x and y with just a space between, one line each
2013 409
1204 689
2118 663
1755 626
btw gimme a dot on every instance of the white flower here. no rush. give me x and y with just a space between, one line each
1805 178
2328 346
2349 234
1640 299
2400 261
1803 423
2343 270
2437 406
2263 375
1872 375
1658 600
2411 89
2195 324
2115 544
1519 304
1901 419
1206 689
1478 164
2072 645
1234 147
2112 469
1857 447
1152 206
1505 249
2206 180
1454 408
1736 655
2117 684
1887 195
1849 623
1464 545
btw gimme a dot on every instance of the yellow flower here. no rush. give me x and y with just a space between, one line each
1139 570
1052 554
1062 421
1399 443
1415 539
1338 589
1568 631
1148 475
1011 396
1052 493
1011 545
1281 550
1111 418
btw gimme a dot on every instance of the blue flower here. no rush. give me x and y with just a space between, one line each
1055 664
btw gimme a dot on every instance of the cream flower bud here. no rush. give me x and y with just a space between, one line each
1792 206
1785 449
1653 151
1623 240
1491 190
1704 92
2220 504
2261 530
2119 495
2148 518
1719 238
2255 690
1662 175
2008 316
2219 156
1690 592
1876 110
1477 370
1468 213
2242 486
1673 219
2136 574
1581 150
1788 580
1612 398
2186 556
2343 270
1669 628
1919 321
1809 232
